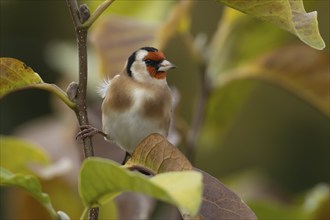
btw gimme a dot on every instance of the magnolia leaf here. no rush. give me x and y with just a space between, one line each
229 48
16 154
157 155
101 180
299 69
221 203
111 210
16 75
30 184
289 15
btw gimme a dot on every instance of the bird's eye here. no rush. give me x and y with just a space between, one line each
149 62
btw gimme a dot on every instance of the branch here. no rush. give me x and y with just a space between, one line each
81 108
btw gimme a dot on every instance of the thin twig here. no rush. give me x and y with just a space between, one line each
218 42
98 11
73 6
198 115
203 95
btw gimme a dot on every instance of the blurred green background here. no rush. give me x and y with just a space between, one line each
274 147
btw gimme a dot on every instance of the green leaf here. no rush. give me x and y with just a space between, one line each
267 209
314 205
240 38
30 184
152 11
289 15
110 210
101 180
16 75
219 120
16 154
183 189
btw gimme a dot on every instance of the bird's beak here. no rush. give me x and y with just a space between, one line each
165 65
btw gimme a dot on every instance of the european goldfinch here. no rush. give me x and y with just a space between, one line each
137 102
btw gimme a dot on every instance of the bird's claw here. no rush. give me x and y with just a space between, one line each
88 131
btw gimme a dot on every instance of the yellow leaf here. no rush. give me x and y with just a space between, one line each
14 75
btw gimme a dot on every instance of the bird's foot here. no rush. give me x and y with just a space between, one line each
88 131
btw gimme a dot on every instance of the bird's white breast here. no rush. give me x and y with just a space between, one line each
127 128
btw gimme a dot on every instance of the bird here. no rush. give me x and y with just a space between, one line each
137 102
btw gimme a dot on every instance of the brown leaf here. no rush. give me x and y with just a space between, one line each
157 155
221 203
298 69
115 38
302 70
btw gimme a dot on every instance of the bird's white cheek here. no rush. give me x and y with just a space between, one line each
140 72
139 67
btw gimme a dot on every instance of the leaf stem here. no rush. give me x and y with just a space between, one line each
57 91
50 210
83 214
98 11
